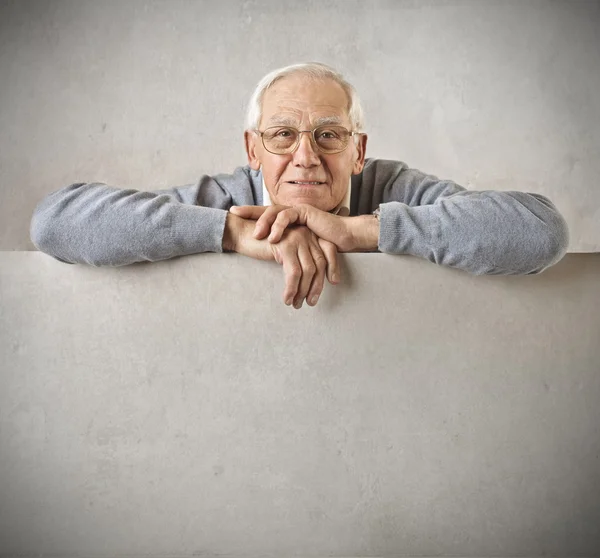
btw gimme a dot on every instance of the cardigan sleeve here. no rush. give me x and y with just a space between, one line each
481 232
100 225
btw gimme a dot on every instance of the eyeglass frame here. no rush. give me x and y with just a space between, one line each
312 133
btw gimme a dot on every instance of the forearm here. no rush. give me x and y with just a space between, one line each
349 234
364 233
103 226
235 228
491 232
238 236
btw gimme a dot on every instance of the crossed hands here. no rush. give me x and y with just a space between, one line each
303 239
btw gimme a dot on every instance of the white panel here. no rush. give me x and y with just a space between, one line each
179 408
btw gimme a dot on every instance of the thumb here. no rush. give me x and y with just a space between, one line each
248 211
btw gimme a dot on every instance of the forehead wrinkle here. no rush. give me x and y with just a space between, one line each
320 121
285 120
327 120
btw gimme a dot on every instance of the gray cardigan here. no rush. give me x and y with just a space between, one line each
488 232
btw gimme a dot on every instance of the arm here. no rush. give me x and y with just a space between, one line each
103 226
487 232
96 224
490 232
348 234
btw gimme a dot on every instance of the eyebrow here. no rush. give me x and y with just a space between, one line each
322 121
326 120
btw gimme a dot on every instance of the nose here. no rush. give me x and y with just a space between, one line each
305 154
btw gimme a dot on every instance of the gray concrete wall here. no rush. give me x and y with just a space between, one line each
417 410
180 409
494 95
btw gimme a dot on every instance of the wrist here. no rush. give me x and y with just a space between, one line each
238 236
364 231
234 226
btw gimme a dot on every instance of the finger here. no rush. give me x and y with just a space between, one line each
318 282
277 254
331 255
308 272
263 224
283 220
292 272
248 211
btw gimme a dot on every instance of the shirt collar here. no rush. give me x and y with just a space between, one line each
342 209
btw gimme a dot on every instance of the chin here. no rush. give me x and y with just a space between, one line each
308 196
323 205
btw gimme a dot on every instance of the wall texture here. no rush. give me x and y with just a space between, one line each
494 95
180 408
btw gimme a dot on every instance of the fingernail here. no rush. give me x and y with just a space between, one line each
298 305
288 301
314 299
335 277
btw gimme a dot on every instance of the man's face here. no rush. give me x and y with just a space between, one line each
301 101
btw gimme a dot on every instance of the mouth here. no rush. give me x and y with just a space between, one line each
305 183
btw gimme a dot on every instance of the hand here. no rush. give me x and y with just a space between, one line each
349 234
305 257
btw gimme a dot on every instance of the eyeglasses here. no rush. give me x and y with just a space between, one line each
281 140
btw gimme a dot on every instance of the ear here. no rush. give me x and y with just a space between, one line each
361 148
252 149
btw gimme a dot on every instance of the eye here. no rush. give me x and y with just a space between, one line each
283 133
327 134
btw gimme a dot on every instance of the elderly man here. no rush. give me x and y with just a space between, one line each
307 194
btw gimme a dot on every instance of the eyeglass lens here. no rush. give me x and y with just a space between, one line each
329 139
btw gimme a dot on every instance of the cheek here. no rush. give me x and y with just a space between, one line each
342 170
273 170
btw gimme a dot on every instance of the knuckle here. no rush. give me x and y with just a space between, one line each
329 248
319 257
321 264
295 272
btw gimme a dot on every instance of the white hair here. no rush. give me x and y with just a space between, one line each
314 70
